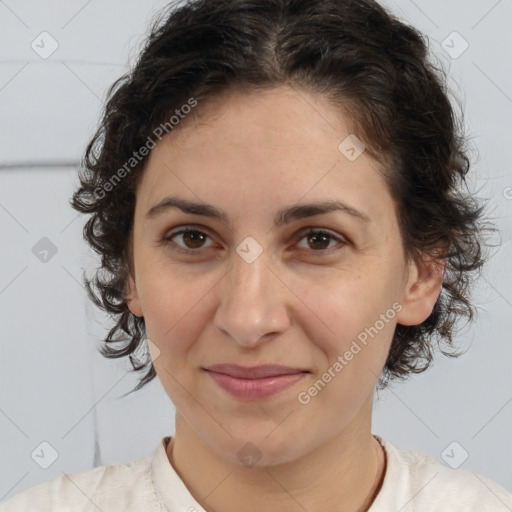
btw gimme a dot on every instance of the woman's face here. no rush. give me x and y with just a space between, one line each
249 287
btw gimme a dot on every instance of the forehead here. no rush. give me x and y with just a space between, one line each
281 116
281 145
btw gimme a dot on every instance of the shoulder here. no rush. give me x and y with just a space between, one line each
420 483
126 486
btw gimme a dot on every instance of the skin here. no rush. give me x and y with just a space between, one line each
301 303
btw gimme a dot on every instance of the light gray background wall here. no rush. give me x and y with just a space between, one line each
56 389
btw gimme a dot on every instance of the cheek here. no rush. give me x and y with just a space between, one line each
353 319
352 360
174 311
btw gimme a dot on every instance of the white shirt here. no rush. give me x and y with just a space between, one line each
413 482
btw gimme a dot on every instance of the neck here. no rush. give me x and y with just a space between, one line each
344 474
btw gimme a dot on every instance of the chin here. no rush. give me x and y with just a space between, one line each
261 450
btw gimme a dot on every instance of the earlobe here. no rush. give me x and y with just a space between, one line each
421 291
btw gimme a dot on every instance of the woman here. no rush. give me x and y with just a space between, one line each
276 194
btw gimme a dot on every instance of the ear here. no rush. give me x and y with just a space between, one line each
424 284
132 297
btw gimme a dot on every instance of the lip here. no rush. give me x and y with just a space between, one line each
255 382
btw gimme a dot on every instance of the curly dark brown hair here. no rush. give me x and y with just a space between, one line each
373 67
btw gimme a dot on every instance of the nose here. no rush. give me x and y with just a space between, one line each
252 306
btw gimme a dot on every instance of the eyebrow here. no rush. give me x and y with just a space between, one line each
284 216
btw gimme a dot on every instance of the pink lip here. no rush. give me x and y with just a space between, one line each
257 382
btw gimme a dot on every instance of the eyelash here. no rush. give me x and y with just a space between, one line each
310 231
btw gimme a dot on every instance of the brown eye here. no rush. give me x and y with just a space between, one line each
319 240
191 239
194 239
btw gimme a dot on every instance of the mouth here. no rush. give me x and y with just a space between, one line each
254 372
255 382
